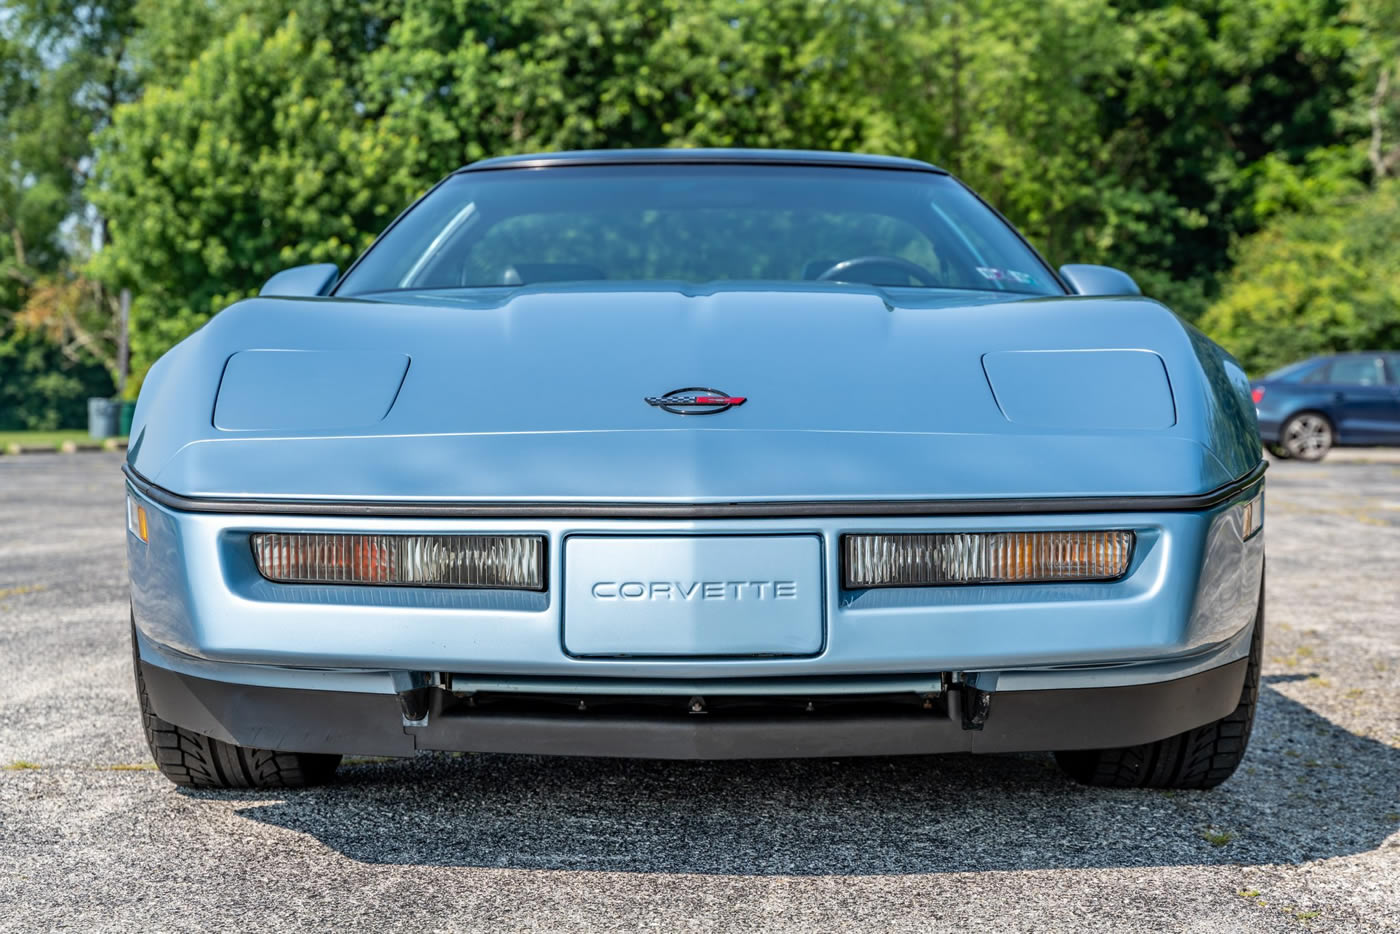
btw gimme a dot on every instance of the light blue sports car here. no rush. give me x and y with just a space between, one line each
697 454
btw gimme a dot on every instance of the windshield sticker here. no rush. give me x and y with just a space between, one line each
997 274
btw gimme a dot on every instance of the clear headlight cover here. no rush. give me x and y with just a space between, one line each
938 559
509 562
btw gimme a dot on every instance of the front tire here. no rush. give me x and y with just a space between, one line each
1308 436
193 760
1199 758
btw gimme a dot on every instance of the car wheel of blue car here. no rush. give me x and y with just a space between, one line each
197 761
1199 758
1308 436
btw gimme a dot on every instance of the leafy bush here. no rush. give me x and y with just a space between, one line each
1313 283
40 389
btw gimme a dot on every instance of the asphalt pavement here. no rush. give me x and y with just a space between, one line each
1305 837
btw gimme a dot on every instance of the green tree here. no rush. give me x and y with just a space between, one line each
1219 96
1377 94
1315 283
63 71
251 163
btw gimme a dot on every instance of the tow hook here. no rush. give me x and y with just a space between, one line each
414 689
415 703
976 706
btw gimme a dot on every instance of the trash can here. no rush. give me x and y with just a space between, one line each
124 422
103 415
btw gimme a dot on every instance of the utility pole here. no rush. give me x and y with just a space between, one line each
123 339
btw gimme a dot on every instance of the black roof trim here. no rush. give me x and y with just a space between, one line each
593 157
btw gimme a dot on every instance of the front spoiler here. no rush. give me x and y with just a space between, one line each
299 720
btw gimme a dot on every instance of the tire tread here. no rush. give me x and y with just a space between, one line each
193 760
1196 759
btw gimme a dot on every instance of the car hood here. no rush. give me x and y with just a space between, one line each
539 395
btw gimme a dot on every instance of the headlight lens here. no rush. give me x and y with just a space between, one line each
930 560
511 562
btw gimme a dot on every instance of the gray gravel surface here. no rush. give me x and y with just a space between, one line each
1305 837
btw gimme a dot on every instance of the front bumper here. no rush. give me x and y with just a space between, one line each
1191 586
327 668
963 720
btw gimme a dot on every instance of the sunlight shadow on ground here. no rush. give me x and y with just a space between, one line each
851 816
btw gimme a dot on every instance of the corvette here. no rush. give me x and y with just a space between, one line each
695 590
481 491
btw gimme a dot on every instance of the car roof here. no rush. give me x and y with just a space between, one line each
541 160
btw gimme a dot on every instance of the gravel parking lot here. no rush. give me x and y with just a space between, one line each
1305 837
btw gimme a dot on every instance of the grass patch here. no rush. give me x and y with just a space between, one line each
47 439
132 767
50 439
1216 837
20 590
21 765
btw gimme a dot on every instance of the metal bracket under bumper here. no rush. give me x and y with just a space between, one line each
372 724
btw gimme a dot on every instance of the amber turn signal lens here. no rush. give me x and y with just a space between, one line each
136 522
939 559
505 562
1252 517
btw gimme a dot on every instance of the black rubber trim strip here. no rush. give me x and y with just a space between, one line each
694 158
765 510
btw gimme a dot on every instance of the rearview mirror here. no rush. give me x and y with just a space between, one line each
1098 280
302 281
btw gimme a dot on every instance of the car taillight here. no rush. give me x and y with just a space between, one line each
929 560
1257 394
507 562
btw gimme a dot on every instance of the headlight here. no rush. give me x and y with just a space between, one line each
511 562
984 558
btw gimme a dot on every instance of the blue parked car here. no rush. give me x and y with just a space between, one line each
1348 399
697 454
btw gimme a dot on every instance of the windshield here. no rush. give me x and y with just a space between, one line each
700 224
1293 372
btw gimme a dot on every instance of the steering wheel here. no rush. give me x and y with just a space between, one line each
914 270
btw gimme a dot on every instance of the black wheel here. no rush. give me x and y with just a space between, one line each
197 761
1307 436
1279 451
1199 758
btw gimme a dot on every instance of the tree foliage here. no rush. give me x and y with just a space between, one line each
1316 283
251 163
62 73
1323 275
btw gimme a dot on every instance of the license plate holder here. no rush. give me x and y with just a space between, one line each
694 596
